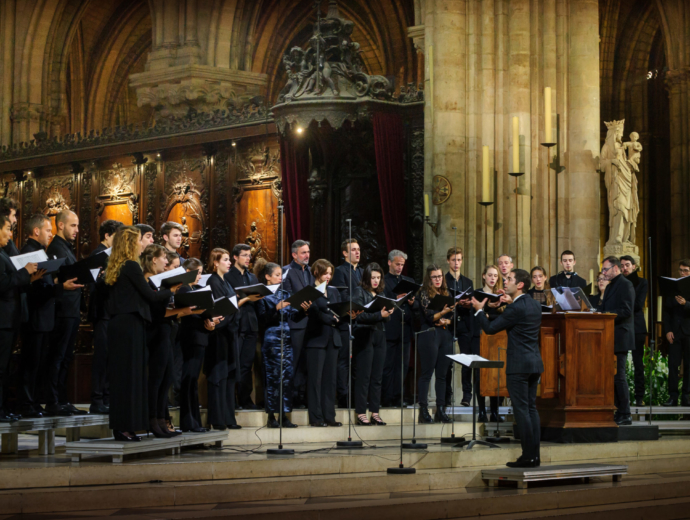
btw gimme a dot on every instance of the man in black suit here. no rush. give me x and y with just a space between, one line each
12 282
628 266
619 299
398 336
457 283
522 320
67 317
346 273
567 277
239 276
9 207
40 320
297 276
98 294
147 233
677 328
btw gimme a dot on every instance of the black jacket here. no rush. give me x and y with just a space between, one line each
619 299
465 316
11 286
367 320
293 282
68 304
561 280
11 248
676 318
131 294
192 330
522 320
248 320
221 287
341 278
322 327
394 326
98 292
41 296
225 334
640 297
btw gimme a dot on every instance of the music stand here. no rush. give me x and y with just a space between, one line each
497 433
475 362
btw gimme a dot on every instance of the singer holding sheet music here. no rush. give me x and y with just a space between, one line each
129 307
522 321
677 329
434 347
369 347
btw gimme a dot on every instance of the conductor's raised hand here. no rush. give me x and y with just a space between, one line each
478 305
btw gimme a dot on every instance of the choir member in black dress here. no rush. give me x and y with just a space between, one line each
129 306
98 293
12 283
323 344
369 347
194 334
158 335
434 347
221 364
542 289
492 280
269 311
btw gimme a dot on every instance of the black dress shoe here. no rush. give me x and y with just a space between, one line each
29 413
335 424
524 463
424 415
125 436
272 422
220 427
670 402
74 409
481 417
99 409
318 424
496 418
466 402
441 416
5 417
57 410
234 427
197 430
624 420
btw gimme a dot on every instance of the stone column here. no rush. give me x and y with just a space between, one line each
678 84
583 134
7 36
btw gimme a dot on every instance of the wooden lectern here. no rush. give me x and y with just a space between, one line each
576 394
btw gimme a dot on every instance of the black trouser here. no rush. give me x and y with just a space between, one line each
99 364
434 349
621 391
321 367
523 394
34 347
397 354
60 356
190 418
343 383
468 345
247 354
160 369
7 337
679 351
177 361
369 356
638 363
299 366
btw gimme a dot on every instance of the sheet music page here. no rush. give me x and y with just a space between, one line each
35 257
158 278
466 359
203 280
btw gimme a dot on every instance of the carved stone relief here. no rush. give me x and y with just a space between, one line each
118 187
258 162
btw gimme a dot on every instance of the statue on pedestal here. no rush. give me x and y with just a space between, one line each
620 162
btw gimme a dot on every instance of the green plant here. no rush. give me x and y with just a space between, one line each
656 370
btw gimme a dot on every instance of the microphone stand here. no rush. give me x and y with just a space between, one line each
414 445
452 439
349 443
497 433
652 334
280 450
401 469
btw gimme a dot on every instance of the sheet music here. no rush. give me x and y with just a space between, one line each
207 288
275 287
466 359
35 257
233 299
158 278
321 288
94 273
203 280
108 251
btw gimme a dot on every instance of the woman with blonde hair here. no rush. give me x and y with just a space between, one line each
129 306
542 289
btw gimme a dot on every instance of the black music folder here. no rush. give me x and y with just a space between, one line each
406 287
221 307
85 271
200 299
308 294
258 288
51 266
439 301
480 295
672 287
188 277
341 309
379 303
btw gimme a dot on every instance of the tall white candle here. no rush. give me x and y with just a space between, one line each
548 135
486 179
516 144
659 306
426 204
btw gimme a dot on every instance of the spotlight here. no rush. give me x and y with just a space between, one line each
234 144
300 130
158 155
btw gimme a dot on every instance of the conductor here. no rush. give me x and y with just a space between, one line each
522 320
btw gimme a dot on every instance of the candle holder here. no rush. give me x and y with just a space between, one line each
549 145
433 225
485 203
516 174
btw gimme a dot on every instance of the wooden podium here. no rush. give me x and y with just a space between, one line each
576 394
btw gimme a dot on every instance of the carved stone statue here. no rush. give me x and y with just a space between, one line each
619 162
253 240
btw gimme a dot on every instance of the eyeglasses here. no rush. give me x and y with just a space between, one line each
685 271
604 269
436 277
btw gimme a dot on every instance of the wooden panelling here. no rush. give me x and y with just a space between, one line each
493 348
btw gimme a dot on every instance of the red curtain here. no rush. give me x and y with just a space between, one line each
389 143
294 163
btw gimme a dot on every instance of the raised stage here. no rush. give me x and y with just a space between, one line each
242 473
